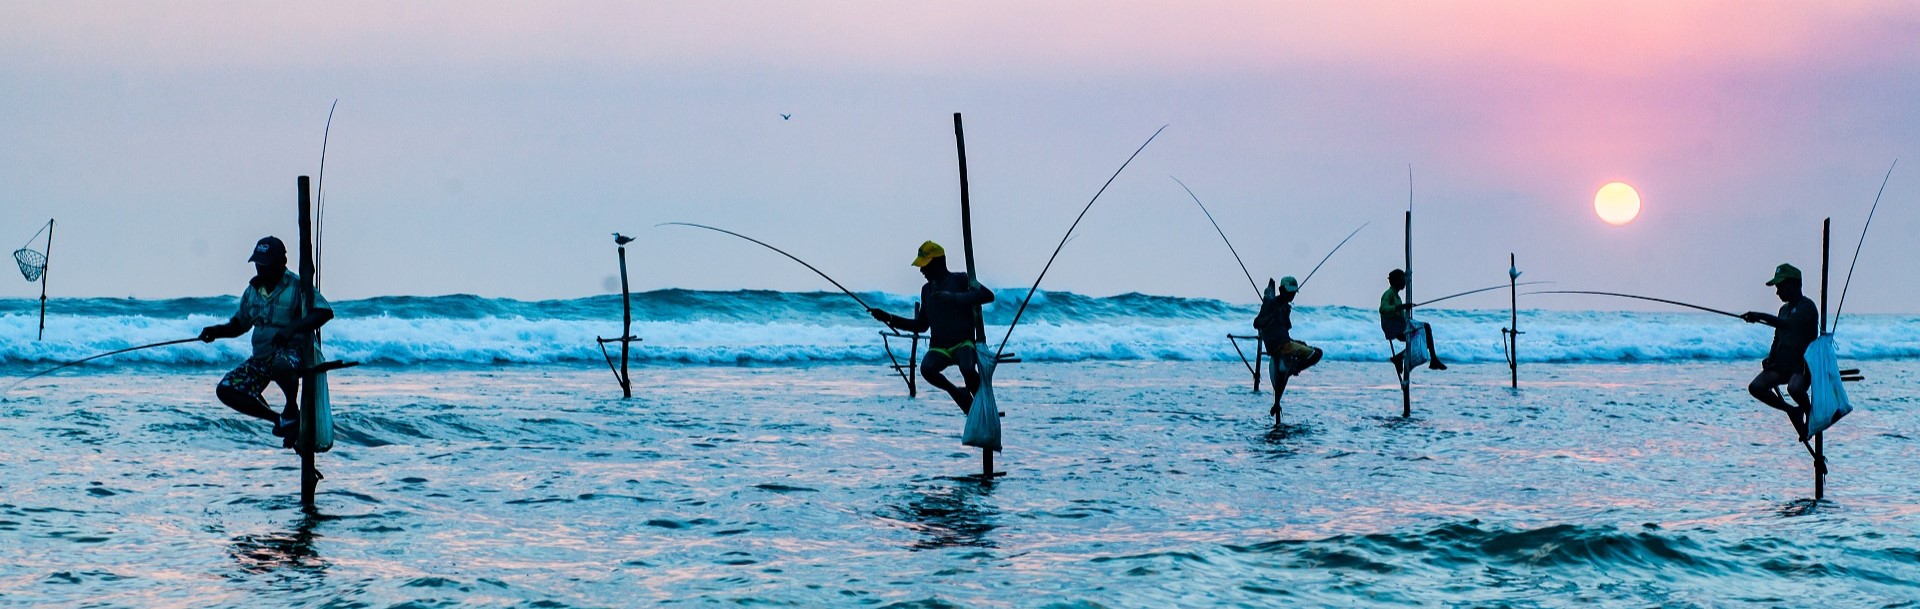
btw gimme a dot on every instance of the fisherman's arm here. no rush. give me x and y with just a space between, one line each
975 294
237 325
1756 317
918 323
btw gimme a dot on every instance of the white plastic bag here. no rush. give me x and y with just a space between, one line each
1416 346
1828 394
983 418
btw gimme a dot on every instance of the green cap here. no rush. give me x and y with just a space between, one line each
1287 284
1782 273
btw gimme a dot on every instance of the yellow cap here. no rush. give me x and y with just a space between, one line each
929 251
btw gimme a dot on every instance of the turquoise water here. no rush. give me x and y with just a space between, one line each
1140 483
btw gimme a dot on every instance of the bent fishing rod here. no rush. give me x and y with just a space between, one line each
1863 241
1487 289
1329 256
1646 298
823 275
1223 236
95 357
1063 243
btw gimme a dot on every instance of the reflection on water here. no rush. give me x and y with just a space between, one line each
952 513
288 555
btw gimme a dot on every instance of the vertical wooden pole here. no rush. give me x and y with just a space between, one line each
966 248
309 474
1513 338
46 264
1259 349
626 326
1819 444
1406 365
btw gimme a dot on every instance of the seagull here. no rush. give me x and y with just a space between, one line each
786 117
619 239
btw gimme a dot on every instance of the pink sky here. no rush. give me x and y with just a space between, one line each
1742 123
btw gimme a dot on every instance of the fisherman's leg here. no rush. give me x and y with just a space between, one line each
241 389
1280 376
969 365
285 367
1803 405
1433 356
1763 386
930 368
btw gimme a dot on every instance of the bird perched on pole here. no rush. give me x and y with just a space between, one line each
619 239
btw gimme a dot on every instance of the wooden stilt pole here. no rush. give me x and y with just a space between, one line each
46 264
1513 330
1406 367
309 474
966 248
626 326
1819 445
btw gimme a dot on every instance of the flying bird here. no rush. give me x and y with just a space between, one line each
786 117
619 239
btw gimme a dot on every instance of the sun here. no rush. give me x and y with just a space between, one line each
1616 203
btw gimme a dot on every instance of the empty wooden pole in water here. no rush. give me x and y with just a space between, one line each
966 249
309 474
1819 448
1513 329
626 326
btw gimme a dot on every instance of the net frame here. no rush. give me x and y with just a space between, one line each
32 263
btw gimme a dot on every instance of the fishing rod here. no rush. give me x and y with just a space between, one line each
1063 243
320 198
1472 292
1863 241
1647 298
1336 248
843 289
1223 236
95 357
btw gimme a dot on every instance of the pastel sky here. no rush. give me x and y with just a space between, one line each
490 148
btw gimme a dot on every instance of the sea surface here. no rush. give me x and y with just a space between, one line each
484 458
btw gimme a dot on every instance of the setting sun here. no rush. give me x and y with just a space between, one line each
1617 203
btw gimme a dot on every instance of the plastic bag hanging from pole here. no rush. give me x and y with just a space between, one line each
1828 395
983 418
1416 345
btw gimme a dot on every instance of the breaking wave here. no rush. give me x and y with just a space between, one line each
764 327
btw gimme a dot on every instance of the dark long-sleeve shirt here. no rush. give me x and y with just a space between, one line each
1275 323
1799 325
947 307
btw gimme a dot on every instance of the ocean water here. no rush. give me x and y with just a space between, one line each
494 477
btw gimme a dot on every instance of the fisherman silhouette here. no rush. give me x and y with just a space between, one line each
1395 323
271 308
947 305
1786 364
1275 323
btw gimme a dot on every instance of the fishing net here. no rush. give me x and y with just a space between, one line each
32 263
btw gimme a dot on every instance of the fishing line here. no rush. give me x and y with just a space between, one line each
95 357
1863 241
1223 237
1063 243
1336 248
1647 298
1472 292
849 293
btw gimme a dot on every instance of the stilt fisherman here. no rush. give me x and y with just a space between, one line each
1275 323
948 303
1786 363
271 307
1395 323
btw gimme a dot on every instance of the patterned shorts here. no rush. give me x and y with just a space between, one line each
252 377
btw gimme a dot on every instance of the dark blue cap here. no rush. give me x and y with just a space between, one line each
269 250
